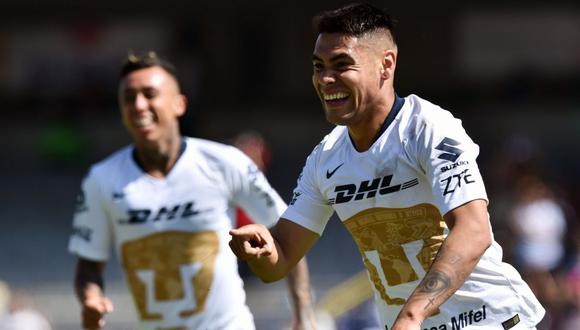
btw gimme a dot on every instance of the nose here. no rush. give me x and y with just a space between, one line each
140 102
325 77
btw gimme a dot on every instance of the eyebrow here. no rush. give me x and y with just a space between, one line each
126 89
335 58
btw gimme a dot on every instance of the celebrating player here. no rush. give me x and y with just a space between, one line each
401 174
166 203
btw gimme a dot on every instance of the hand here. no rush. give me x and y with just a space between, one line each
93 311
251 242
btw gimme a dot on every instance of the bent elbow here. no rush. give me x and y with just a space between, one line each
488 241
270 278
484 242
487 244
271 275
267 274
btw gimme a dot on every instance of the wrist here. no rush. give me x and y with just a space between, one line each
410 316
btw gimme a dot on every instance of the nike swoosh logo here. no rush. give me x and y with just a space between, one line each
329 174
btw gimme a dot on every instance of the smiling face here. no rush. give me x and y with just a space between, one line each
151 104
350 75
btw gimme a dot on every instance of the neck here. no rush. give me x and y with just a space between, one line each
367 131
158 160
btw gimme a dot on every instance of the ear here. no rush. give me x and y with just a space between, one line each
388 64
179 105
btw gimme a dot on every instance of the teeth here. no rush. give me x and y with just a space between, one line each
335 96
143 121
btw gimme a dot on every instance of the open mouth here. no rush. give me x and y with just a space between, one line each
335 98
143 123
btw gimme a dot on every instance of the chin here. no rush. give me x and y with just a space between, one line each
145 138
335 118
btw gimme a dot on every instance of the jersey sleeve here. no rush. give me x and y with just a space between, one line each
251 190
91 236
308 207
447 155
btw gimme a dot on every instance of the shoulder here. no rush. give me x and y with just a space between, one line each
215 153
331 142
421 113
325 152
105 174
112 164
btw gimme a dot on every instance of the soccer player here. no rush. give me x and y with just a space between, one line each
166 203
402 176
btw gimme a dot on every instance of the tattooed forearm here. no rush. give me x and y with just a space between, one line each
434 284
439 284
452 258
448 257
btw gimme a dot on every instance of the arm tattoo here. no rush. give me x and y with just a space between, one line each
431 302
437 283
434 284
448 257
453 259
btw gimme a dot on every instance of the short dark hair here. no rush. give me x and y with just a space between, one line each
135 62
354 19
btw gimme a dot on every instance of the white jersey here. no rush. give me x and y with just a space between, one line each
171 234
392 199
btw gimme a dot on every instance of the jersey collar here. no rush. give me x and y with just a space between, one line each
397 105
182 147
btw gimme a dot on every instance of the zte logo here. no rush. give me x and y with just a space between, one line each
368 189
179 211
456 180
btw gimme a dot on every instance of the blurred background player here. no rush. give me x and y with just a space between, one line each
539 224
166 203
401 174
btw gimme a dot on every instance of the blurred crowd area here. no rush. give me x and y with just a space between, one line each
510 70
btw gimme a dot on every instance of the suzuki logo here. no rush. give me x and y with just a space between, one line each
448 145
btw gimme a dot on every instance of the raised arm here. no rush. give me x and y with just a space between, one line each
468 239
89 290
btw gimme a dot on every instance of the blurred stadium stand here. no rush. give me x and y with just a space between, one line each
510 69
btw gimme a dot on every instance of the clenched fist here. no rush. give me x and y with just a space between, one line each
94 310
252 242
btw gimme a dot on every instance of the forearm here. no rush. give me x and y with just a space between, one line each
299 289
272 267
272 254
453 264
89 290
88 280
